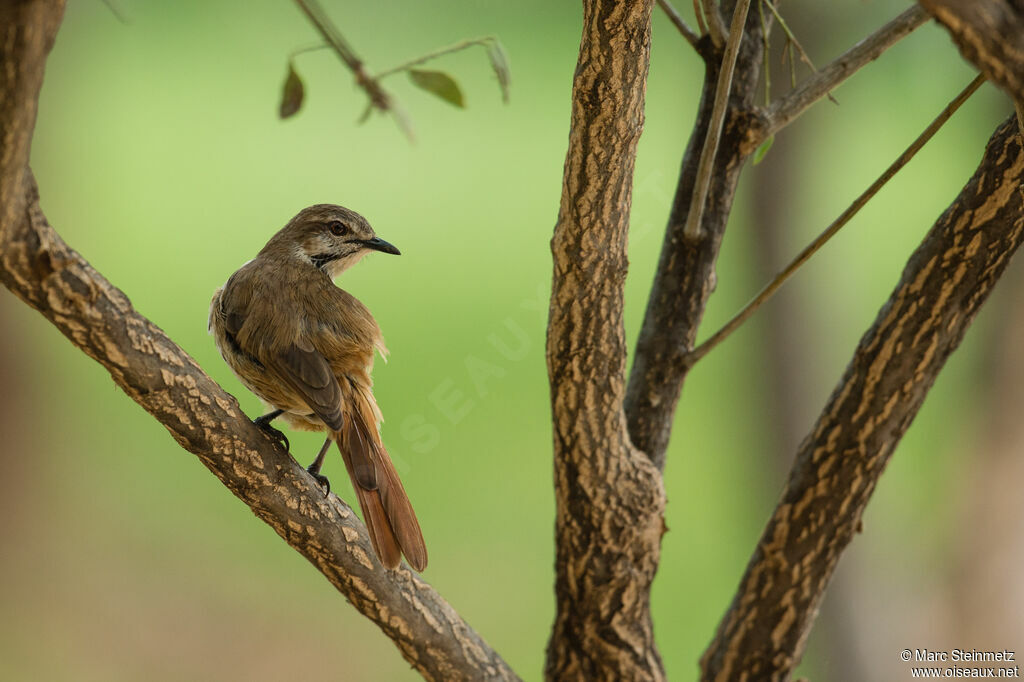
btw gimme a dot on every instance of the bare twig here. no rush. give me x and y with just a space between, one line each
812 248
790 36
716 26
461 45
331 34
117 12
692 231
794 103
764 53
678 21
699 14
792 40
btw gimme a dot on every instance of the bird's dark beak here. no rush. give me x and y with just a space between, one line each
378 244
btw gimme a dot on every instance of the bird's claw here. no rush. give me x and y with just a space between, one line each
321 480
275 434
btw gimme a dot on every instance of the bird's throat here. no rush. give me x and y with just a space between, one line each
321 260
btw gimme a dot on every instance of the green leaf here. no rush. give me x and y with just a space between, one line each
439 84
762 151
499 62
292 93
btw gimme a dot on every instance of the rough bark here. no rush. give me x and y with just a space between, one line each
46 273
685 276
609 498
27 30
837 466
990 34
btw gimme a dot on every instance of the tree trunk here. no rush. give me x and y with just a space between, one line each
609 497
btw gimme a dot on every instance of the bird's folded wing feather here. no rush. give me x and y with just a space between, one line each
299 364
309 373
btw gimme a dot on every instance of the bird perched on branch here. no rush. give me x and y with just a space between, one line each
305 347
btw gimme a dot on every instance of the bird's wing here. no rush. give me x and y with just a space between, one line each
309 373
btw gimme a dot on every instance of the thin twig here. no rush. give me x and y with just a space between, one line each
692 230
116 11
678 21
716 26
804 57
378 97
794 103
791 40
812 248
331 34
764 55
462 45
699 14
309 48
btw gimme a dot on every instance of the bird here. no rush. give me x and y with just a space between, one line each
306 347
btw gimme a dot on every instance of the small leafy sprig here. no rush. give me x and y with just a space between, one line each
438 83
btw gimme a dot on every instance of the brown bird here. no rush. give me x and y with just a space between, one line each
305 347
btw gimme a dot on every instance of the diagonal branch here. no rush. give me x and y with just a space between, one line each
609 498
942 288
845 217
316 15
677 20
46 273
786 110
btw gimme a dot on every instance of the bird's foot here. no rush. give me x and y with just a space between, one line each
320 479
274 434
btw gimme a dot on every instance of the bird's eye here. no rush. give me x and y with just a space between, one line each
337 227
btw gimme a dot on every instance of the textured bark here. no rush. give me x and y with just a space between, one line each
837 466
27 30
990 34
686 269
46 273
609 498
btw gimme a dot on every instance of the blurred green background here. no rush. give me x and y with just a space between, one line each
161 159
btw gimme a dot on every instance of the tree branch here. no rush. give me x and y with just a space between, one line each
380 98
716 25
46 273
990 34
845 217
686 270
609 498
692 229
786 109
677 20
942 288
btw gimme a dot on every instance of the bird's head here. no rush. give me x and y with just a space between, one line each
331 238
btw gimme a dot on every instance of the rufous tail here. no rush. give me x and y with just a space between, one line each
387 512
